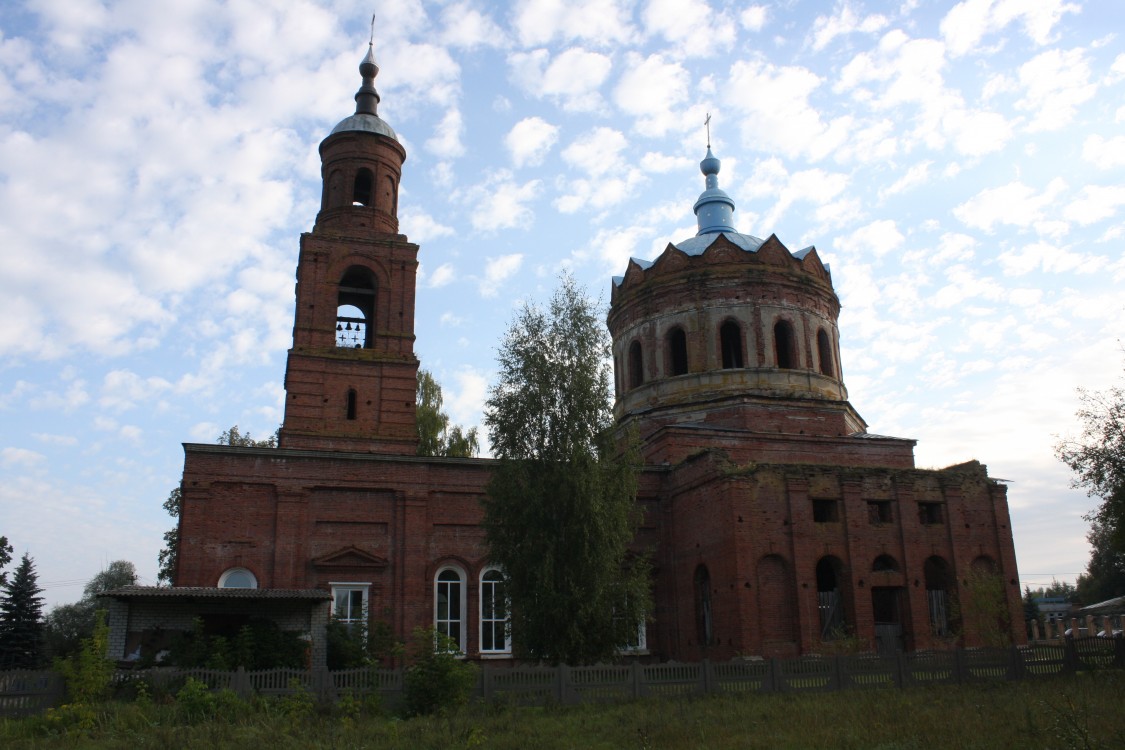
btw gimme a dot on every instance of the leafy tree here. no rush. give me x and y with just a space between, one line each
435 436
984 609
1105 573
1098 459
21 619
166 561
68 625
5 558
560 510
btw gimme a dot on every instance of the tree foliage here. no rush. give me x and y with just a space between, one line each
1098 459
166 561
5 558
1105 573
67 626
21 619
435 435
560 510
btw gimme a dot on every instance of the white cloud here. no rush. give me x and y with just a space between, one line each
776 114
918 174
1055 83
968 22
441 276
844 21
1095 203
754 17
879 238
651 89
663 163
596 21
498 270
446 141
572 77
693 27
816 186
1104 153
467 27
1046 257
1014 204
420 227
597 151
530 140
21 458
499 202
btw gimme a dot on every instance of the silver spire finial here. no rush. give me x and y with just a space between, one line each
707 124
371 42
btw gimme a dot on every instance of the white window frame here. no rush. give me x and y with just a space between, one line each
339 587
231 572
442 624
488 621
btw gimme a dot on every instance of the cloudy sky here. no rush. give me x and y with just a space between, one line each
959 165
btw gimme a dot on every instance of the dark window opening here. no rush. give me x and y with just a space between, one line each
636 365
351 403
785 345
677 352
361 193
703 622
826 511
939 584
730 340
833 624
824 349
930 514
355 309
390 195
884 564
880 512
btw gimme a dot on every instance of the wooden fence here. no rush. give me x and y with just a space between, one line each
25 692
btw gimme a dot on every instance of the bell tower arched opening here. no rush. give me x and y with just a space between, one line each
355 309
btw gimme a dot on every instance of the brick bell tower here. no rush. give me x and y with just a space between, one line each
351 375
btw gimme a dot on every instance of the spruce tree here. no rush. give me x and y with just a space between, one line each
21 619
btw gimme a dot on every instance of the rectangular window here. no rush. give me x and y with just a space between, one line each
494 636
930 514
880 512
349 603
826 511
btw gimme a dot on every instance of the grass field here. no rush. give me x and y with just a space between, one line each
1086 711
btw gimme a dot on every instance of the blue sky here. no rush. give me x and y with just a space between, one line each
959 165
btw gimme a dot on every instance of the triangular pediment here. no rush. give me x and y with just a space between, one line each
774 253
349 557
723 250
812 263
672 259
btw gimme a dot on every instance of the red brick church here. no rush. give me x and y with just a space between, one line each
777 523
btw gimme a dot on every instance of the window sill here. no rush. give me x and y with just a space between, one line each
491 655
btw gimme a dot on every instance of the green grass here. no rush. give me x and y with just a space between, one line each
1077 712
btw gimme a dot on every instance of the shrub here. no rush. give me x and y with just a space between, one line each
88 673
438 677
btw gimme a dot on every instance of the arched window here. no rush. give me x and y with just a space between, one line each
730 341
785 345
494 635
824 350
351 403
237 578
449 605
704 625
830 602
361 193
677 351
939 588
636 365
355 309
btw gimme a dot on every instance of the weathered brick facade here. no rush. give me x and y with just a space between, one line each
774 519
